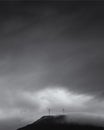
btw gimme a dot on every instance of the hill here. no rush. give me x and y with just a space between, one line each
60 123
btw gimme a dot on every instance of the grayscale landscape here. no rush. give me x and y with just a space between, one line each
51 64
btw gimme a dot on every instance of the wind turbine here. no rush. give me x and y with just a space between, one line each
49 111
63 111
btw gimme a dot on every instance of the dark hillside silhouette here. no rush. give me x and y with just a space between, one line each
59 123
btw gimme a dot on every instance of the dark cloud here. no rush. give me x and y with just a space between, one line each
62 42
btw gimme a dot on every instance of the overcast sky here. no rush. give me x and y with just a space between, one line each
51 56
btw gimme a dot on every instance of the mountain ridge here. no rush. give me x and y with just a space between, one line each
60 122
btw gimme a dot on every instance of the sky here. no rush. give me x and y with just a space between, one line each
51 56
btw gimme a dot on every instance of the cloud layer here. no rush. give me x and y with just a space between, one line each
32 102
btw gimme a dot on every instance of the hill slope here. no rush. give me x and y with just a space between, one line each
61 123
